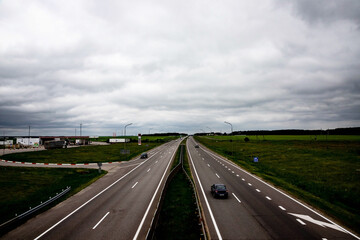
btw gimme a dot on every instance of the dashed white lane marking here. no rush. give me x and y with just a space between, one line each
208 165
243 179
101 220
324 239
156 162
236 197
233 172
250 184
237 175
282 208
134 185
148 170
301 222
258 190
203 159
217 175
268 198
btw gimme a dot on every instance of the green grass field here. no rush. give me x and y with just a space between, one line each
24 187
324 173
153 138
83 154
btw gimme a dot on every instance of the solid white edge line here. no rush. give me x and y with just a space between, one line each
206 201
236 197
267 184
91 199
101 220
152 199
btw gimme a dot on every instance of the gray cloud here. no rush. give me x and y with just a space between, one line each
327 11
185 66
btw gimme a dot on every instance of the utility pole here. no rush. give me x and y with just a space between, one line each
230 126
29 137
4 143
125 138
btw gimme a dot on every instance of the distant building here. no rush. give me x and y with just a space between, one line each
80 140
26 141
7 142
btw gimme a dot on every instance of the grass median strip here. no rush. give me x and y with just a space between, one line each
326 173
178 218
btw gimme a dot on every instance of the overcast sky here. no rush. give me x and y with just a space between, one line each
184 66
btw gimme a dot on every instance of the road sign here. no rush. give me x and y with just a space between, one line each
125 151
139 139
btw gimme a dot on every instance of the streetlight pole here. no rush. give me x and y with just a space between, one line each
125 137
232 142
125 128
230 126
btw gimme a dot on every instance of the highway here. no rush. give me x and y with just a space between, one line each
121 205
254 208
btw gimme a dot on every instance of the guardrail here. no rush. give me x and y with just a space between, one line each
151 233
7 225
198 207
155 221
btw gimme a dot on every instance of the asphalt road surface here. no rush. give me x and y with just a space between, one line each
254 209
121 205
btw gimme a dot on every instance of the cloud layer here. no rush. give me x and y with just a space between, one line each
178 66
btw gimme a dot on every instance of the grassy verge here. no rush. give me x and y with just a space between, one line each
83 154
178 219
24 187
326 174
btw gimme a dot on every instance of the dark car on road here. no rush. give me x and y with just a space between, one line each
219 190
144 155
196 146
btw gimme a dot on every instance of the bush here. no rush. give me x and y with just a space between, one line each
246 139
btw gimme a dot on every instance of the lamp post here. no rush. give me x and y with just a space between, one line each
125 138
232 143
125 128
230 126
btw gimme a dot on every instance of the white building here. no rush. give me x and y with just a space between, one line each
6 143
28 141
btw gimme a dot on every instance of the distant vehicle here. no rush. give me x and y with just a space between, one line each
196 146
55 144
219 190
144 155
